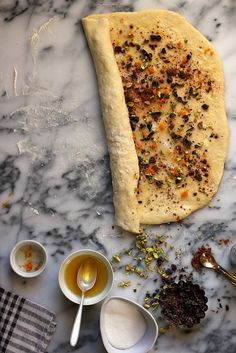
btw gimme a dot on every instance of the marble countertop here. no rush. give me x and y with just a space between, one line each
55 183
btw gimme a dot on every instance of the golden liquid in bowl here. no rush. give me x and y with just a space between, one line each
71 272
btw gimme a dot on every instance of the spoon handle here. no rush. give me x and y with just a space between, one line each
76 327
227 274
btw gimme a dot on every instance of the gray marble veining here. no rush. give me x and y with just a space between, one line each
55 183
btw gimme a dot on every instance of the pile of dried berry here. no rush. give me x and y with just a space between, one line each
183 303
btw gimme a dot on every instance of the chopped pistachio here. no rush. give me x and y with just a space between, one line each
155 306
144 65
155 255
177 253
149 249
124 284
160 238
164 329
116 257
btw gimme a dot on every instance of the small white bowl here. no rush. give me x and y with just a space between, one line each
75 298
25 253
145 343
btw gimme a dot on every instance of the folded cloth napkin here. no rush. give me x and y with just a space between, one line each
25 327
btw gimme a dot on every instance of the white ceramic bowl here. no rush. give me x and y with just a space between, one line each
25 252
145 343
69 293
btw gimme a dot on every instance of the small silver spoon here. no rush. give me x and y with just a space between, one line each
208 260
86 279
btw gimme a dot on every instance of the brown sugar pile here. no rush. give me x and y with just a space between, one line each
195 262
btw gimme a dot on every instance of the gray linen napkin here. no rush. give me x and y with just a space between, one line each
25 327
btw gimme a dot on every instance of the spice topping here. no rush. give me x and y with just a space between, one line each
195 262
165 90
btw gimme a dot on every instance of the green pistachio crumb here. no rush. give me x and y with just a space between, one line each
124 284
116 258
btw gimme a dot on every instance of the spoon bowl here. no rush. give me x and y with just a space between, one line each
208 260
87 275
86 279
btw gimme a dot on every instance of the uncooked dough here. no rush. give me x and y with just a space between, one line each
161 87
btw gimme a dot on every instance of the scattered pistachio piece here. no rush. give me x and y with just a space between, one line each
124 284
116 257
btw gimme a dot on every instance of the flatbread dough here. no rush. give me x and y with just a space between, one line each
161 87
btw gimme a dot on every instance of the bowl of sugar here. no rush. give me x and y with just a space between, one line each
126 327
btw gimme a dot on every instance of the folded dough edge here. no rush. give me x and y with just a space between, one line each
123 157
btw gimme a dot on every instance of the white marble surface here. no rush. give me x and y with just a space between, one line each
54 168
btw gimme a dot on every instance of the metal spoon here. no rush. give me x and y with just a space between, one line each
86 279
208 260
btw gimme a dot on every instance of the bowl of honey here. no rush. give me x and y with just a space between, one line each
68 276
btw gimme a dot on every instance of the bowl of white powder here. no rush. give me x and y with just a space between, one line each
126 326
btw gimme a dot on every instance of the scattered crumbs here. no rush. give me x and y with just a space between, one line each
151 300
165 329
5 205
177 253
223 241
220 306
124 284
116 258
147 254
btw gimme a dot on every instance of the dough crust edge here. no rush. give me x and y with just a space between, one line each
123 157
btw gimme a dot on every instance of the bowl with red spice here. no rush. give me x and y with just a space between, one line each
28 258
